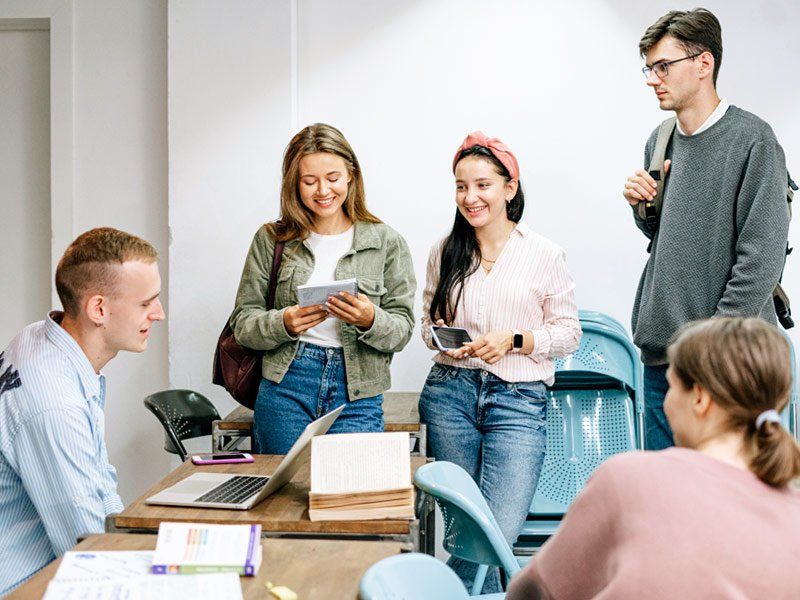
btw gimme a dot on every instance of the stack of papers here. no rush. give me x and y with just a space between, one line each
357 476
104 565
188 548
122 575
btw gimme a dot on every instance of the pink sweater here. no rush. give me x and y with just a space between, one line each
530 289
672 524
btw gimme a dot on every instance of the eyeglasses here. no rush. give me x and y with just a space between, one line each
662 68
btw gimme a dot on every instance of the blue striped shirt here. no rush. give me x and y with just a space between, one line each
55 479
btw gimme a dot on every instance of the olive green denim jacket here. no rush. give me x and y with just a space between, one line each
379 260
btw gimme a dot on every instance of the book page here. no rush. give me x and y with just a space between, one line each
106 564
360 462
149 587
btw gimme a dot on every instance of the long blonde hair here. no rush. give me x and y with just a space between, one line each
745 365
296 220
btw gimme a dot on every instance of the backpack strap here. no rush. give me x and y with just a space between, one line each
652 209
277 255
780 299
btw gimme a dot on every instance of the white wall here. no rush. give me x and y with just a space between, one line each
109 167
25 173
121 180
405 81
229 112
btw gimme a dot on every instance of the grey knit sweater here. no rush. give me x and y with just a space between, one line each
720 246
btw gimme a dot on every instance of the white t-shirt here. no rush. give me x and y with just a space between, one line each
327 249
715 116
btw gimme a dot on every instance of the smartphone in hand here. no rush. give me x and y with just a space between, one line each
221 458
449 338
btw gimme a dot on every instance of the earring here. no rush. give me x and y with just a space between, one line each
98 324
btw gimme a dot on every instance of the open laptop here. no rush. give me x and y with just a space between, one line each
242 492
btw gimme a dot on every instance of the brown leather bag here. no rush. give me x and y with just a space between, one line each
236 368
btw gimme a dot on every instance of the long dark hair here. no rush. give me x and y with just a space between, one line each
461 254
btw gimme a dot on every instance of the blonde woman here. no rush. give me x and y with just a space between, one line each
320 357
714 517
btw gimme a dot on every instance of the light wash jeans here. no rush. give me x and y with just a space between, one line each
494 430
658 433
314 385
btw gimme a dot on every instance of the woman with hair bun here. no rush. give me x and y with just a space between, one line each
714 517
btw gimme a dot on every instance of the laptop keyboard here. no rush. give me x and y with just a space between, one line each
234 491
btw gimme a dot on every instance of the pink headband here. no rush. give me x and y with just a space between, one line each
500 151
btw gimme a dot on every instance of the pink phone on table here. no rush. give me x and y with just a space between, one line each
219 458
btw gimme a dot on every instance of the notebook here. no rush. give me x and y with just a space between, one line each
359 476
190 548
310 295
104 564
148 587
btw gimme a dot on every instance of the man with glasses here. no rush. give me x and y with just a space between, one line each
718 244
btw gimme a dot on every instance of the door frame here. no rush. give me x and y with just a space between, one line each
57 16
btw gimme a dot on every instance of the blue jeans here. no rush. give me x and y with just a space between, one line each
494 430
658 432
314 385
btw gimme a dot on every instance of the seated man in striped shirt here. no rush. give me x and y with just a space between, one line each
55 479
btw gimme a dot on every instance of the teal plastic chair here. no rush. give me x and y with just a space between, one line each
602 319
595 410
470 529
790 416
414 576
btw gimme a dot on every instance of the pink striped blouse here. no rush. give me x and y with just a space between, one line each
528 289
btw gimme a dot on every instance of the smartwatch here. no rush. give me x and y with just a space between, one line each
518 341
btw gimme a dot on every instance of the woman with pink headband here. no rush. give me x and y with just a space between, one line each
485 403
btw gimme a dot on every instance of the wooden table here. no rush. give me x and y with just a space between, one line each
400 413
284 513
312 568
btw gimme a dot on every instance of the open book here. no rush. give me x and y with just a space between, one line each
357 476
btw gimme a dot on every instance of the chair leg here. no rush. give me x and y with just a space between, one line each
480 577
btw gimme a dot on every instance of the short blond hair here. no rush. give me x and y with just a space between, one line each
88 264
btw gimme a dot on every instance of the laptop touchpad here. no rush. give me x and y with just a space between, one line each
199 483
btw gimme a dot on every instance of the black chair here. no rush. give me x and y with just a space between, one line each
184 414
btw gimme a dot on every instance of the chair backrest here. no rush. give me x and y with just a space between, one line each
790 416
411 576
470 529
605 356
184 414
602 318
584 428
594 411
